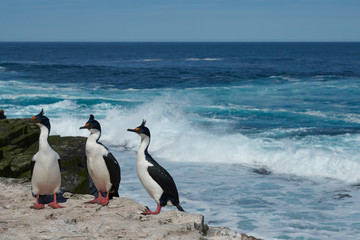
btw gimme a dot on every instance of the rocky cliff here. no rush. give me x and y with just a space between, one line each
120 219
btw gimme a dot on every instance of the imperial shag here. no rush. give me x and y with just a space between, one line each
156 180
102 166
45 165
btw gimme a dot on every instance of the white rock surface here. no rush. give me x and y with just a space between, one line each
121 219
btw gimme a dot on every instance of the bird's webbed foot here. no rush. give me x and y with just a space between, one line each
55 205
148 212
37 206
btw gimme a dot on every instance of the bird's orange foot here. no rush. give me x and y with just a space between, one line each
103 201
148 212
55 205
37 206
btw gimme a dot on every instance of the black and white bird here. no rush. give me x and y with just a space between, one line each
155 179
102 166
45 166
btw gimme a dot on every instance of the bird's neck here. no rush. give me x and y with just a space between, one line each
43 138
145 142
94 137
92 143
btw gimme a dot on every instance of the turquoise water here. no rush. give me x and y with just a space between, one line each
259 137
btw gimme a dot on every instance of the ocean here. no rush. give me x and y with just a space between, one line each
263 138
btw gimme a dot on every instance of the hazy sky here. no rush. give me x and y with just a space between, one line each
175 20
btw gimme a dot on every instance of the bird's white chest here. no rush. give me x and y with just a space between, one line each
151 186
96 165
46 155
46 177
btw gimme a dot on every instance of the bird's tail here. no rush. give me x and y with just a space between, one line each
180 208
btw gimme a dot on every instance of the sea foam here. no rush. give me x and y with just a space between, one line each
176 137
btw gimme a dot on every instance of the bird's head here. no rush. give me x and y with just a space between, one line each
92 125
41 119
141 130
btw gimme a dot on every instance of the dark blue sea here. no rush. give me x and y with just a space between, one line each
263 138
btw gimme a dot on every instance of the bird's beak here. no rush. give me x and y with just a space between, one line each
136 130
87 126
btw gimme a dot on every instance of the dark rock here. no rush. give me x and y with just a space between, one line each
262 171
73 166
2 115
19 142
342 195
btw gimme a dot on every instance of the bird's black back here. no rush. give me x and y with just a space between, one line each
164 179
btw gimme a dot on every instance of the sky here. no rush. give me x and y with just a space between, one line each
179 20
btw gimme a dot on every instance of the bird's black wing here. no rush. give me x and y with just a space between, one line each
163 178
114 171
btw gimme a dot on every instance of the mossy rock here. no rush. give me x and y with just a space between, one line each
5 168
20 164
2 115
2 140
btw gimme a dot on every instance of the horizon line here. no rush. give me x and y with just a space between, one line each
180 41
